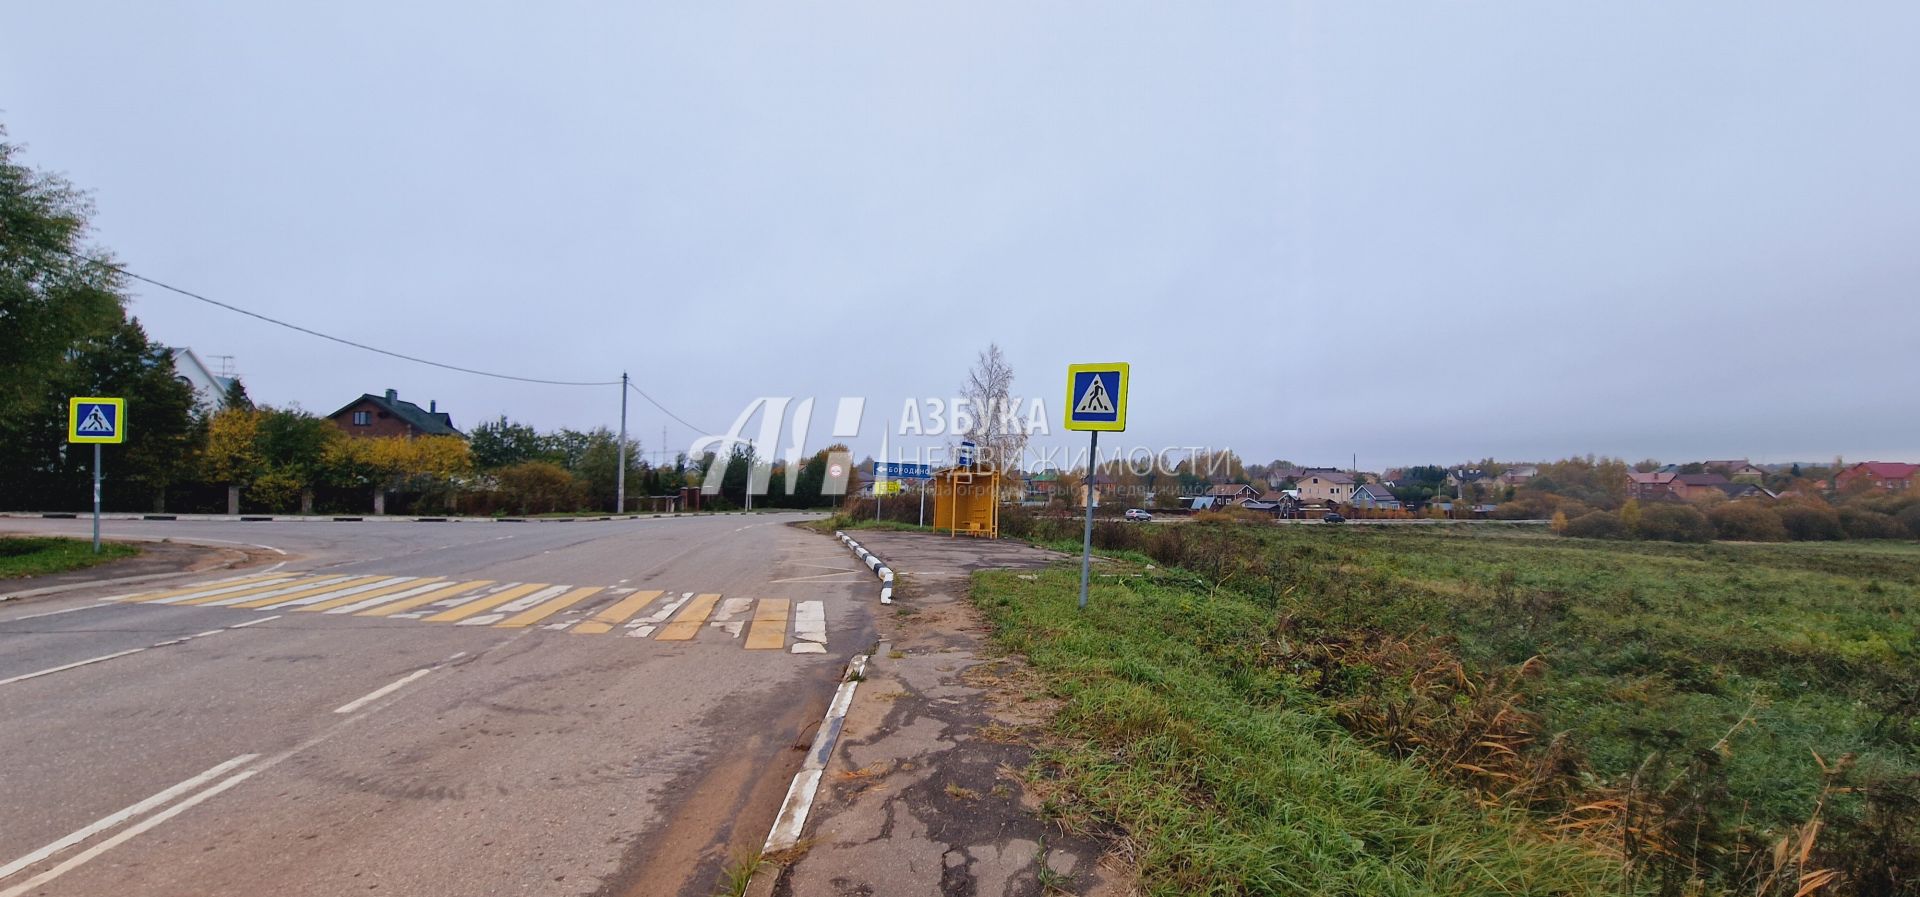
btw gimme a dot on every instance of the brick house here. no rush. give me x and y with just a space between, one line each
370 416
1689 486
1886 476
1650 485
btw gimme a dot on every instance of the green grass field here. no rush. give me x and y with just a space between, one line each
1464 710
34 556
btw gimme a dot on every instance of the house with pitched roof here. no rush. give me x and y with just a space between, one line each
1374 496
388 415
1886 476
1332 488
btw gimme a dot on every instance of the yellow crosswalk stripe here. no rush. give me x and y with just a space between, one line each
345 600
308 593
769 625
687 624
548 608
209 586
483 604
281 585
618 612
405 604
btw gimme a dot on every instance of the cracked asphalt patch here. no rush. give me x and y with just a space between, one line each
926 794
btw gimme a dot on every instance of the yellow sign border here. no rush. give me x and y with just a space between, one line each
119 420
1119 421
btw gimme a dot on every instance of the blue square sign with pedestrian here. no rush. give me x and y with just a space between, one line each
1097 396
97 420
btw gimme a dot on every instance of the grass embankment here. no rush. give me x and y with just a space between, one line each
1459 711
38 556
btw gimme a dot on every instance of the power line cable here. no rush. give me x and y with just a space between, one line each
663 409
342 340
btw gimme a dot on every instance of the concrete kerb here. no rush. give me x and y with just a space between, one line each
873 562
792 820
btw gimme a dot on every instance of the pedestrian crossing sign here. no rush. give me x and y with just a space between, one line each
94 419
1097 396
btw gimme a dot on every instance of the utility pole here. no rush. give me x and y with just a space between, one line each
620 475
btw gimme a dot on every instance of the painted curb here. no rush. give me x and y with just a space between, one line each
806 783
873 562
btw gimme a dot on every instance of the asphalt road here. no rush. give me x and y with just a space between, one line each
421 709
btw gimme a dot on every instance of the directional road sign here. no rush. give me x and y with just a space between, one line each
902 470
1097 396
97 420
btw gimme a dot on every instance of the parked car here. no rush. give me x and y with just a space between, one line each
1138 514
1333 518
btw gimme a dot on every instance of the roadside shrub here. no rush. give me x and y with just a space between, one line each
1911 517
1860 523
1597 525
538 487
1747 521
1666 522
1808 523
1521 509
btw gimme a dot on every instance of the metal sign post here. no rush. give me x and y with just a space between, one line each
1096 401
96 420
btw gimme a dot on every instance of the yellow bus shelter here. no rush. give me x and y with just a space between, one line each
966 501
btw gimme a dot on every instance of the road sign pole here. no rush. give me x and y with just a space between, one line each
1086 540
96 498
923 502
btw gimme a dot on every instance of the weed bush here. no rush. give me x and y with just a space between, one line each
1746 521
1597 525
1812 523
1674 522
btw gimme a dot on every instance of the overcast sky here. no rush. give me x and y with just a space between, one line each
1418 232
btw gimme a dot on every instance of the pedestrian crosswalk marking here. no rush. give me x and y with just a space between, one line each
687 624
617 612
759 624
421 600
769 625
462 611
280 587
352 603
274 597
395 583
553 606
242 582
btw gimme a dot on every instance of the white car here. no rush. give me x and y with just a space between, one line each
1137 514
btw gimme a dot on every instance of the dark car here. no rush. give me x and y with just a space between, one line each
1333 518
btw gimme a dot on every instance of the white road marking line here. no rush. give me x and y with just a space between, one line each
50 613
65 667
383 599
732 607
733 628
818 576
255 622
295 587
341 593
375 695
130 833
462 598
112 819
808 648
482 620
208 632
220 590
810 622
643 631
526 602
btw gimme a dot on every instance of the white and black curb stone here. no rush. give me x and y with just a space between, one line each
793 811
873 563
